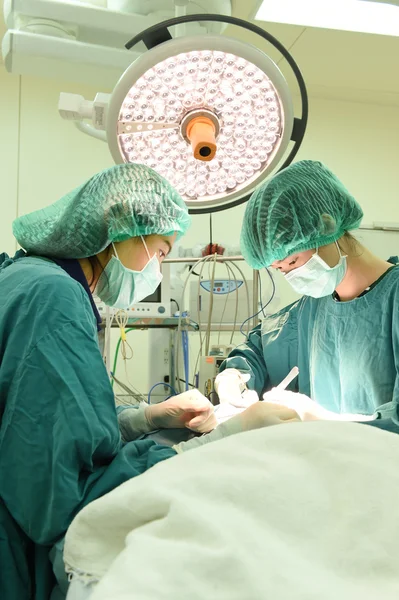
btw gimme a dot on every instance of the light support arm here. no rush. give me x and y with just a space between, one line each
91 131
73 107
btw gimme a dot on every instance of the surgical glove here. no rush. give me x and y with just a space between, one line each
258 415
226 411
230 386
264 414
307 409
190 409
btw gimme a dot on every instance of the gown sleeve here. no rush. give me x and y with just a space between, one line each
60 445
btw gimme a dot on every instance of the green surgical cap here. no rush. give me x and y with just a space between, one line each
305 206
124 201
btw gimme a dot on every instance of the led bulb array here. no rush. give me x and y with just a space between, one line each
239 94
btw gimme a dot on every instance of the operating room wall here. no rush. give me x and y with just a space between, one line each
42 157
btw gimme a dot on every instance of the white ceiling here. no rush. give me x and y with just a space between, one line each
335 64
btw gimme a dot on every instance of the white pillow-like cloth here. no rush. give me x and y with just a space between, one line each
299 511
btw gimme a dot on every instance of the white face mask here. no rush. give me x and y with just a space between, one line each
315 278
121 287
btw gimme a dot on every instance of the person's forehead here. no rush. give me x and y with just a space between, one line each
168 240
163 238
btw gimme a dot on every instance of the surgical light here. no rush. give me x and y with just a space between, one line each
212 114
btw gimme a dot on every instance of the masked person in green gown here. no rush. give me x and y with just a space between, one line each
343 333
62 441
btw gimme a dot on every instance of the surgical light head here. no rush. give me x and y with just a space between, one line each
210 121
211 114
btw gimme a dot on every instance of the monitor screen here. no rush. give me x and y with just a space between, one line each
155 297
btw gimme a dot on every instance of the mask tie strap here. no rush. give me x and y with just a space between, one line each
339 251
114 249
145 246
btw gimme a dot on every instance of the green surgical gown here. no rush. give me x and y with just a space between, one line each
347 352
60 446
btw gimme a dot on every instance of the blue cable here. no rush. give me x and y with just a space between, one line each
186 356
156 385
263 307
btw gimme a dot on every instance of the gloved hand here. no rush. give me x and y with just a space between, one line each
230 386
226 411
258 415
264 414
190 409
307 409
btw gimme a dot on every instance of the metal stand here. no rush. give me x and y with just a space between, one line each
223 259
174 323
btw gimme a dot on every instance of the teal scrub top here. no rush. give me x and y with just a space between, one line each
60 446
347 352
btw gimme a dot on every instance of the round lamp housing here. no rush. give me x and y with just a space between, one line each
212 114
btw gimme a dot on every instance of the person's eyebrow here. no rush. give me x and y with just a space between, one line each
167 242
